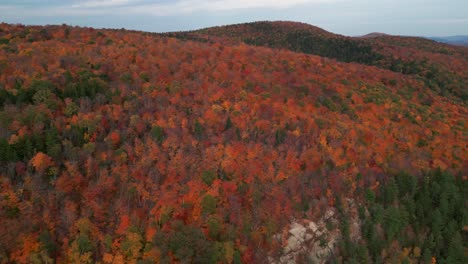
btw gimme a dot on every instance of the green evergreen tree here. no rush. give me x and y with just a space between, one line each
456 250
208 204
52 143
228 124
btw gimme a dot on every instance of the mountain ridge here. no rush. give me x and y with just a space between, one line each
403 54
460 40
374 35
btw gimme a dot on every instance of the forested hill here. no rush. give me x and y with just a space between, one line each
442 67
298 37
134 147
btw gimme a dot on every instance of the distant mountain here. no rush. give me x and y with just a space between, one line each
432 61
454 40
294 36
374 35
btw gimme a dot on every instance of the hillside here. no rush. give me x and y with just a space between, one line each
374 35
298 37
131 147
441 66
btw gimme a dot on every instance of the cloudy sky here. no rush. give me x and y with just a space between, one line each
348 17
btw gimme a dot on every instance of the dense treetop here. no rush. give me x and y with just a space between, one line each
126 147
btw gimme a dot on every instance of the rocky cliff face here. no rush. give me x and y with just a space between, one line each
315 241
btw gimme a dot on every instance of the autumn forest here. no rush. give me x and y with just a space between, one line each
266 142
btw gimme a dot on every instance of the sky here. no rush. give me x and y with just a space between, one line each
346 17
